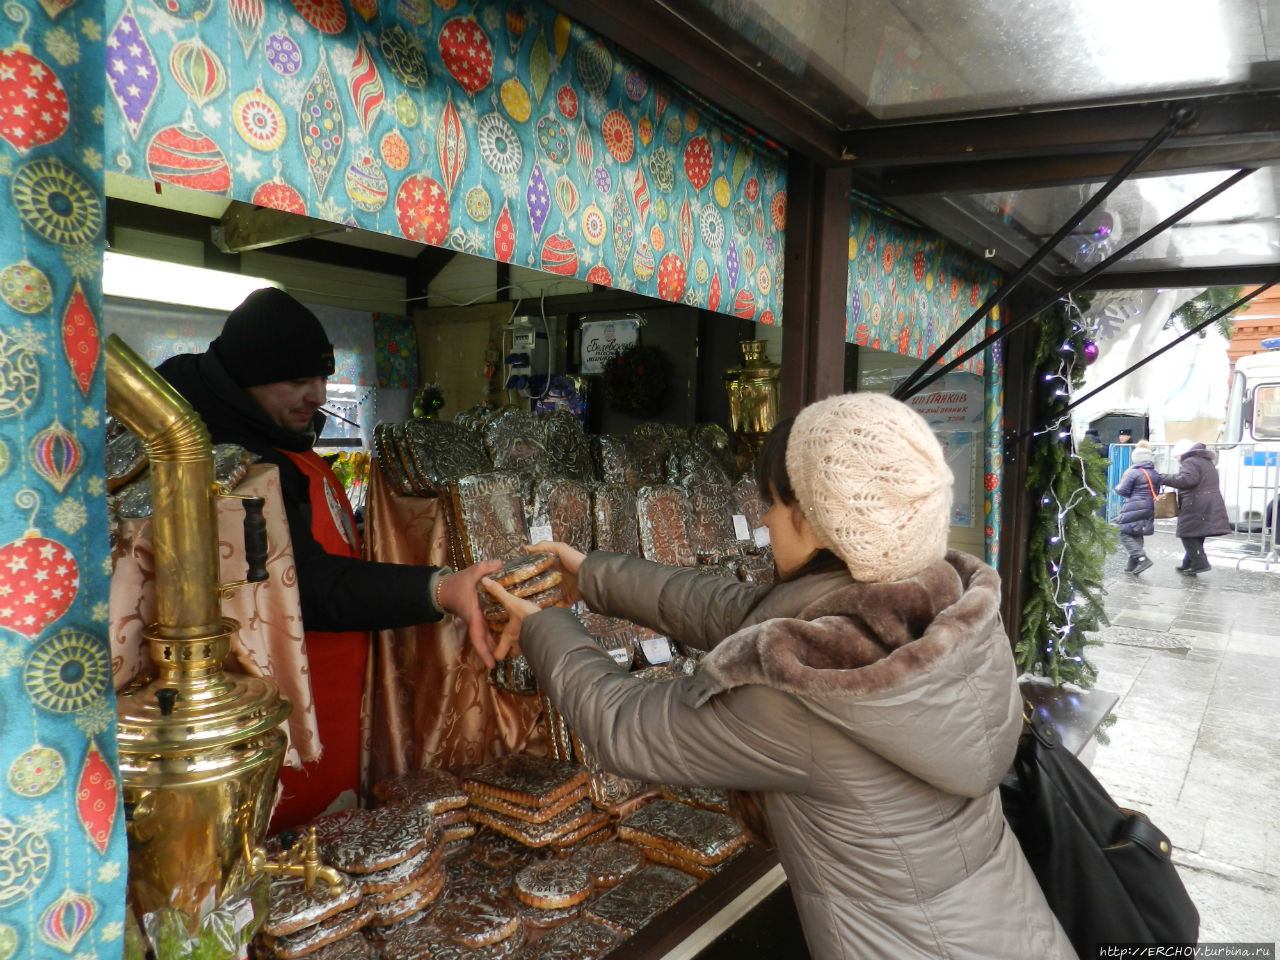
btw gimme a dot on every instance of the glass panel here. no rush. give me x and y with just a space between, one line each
1241 226
911 58
1266 413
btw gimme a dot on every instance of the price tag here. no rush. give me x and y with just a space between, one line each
656 649
540 532
620 656
740 528
762 536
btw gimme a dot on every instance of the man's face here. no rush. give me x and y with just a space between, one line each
290 403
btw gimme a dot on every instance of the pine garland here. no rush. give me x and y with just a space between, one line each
1070 536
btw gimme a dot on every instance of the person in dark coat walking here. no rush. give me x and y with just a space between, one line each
1138 515
1201 510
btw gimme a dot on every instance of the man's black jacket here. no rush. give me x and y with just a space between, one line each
338 593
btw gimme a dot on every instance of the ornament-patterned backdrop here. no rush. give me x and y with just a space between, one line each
498 129
62 838
908 290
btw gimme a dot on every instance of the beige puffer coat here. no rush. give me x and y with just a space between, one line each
873 721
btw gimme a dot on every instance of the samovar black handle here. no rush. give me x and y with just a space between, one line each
255 540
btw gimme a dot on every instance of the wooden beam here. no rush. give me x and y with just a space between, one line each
245 227
814 300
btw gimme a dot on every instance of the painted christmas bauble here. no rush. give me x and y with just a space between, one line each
752 189
711 227
672 277
365 182
722 191
595 67
27 857
34 110
467 53
284 56
259 120
516 99
635 84
644 130
697 162
416 11
56 202
660 208
67 672
619 138
742 218
422 210
559 255
278 195
404 56
567 198
198 71
594 226
36 772
406 110
395 150
701 271
662 168
185 9
657 239
478 205
567 101
744 304
603 180
673 130
499 144
767 318
25 288
764 281
778 210
186 157
327 16
553 138
643 263
600 275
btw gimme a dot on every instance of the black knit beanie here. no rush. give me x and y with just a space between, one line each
271 337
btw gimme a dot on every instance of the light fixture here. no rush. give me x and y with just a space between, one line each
141 278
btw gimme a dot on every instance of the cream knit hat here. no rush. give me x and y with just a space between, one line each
872 481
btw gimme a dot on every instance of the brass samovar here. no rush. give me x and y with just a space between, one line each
200 749
753 390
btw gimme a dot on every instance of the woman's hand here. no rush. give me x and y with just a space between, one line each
570 560
518 608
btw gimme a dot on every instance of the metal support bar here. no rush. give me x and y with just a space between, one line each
1178 119
1083 279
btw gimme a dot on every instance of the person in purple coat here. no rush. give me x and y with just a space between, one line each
1138 515
1201 510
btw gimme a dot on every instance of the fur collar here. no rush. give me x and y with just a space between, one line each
862 639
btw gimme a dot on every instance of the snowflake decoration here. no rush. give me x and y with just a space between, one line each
98 114
96 718
332 211
92 158
86 955
161 22
106 873
100 612
29 339
249 166
211 116
91 29
508 65
83 260
89 417
62 46
292 90
511 185
467 241
95 486
108 566
492 18
341 57
11 658
41 821
110 931
70 515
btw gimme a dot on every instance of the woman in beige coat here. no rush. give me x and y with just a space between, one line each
868 700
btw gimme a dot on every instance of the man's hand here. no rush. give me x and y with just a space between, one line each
518 608
458 596
570 561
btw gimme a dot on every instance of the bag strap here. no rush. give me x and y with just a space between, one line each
1147 477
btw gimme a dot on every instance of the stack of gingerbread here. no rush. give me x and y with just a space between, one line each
537 801
695 840
395 854
305 921
440 793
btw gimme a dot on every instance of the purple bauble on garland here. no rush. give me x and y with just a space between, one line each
1090 352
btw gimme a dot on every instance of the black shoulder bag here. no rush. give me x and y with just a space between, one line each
1107 872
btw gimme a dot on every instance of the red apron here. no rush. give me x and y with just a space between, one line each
336 662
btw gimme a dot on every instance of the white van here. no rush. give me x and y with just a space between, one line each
1249 454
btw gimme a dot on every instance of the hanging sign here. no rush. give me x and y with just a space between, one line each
602 339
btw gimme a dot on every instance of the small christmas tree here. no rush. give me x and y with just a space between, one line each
1070 536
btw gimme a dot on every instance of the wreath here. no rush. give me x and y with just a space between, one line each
635 381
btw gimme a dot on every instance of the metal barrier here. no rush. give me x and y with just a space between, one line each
1249 478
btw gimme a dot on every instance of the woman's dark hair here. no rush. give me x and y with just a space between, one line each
771 464
772 478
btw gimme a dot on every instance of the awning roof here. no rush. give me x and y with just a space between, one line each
993 122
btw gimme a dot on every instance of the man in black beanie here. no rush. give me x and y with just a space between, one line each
261 384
